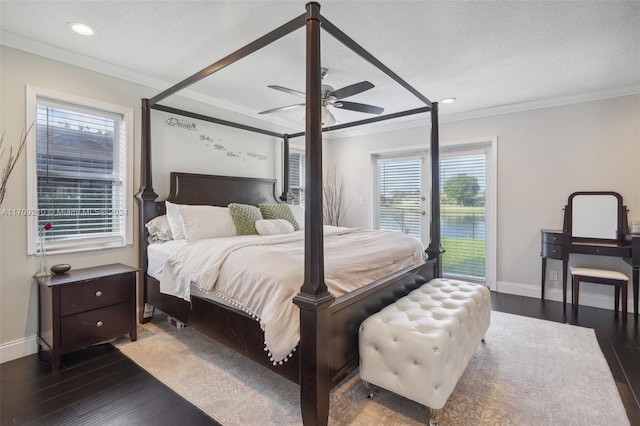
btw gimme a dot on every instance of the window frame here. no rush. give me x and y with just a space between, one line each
490 144
294 149
393 157
127 113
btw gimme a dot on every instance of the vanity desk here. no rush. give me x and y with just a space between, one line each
595 223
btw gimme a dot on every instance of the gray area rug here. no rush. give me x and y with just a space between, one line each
529 372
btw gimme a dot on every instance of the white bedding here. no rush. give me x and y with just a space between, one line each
157 254
262 274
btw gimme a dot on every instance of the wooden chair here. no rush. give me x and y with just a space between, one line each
601 276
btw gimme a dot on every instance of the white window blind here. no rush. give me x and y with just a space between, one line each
80 168
296 177
399 195
463 215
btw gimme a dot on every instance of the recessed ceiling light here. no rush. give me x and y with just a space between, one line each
448 100
82 29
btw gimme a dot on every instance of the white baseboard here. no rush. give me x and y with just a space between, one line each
18 349
586 298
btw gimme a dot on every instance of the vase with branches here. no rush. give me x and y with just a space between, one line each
43 269
11 161
334 206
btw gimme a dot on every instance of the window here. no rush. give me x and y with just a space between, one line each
468 175
78 174
463 214
399 198
296 178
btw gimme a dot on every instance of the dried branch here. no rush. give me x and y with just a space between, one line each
11 163
333 191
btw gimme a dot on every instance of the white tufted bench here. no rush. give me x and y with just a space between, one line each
419 346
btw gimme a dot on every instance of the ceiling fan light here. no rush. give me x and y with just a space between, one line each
448 100
327 118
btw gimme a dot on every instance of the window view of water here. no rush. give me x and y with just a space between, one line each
462 226
462 207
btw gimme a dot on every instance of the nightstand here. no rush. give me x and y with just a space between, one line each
85 306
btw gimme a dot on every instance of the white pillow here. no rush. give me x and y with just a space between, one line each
200 222
159 229
298 213
175 222
274 226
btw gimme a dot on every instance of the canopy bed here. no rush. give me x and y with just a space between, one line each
328 348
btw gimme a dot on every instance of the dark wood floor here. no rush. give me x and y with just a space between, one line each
97 386
100 386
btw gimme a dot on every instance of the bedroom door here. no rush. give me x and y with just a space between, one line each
402 203
467 204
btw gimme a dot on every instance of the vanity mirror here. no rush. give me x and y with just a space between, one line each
596 216
595 223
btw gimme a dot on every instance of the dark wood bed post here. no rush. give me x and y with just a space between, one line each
146 204
285 168
314 298
435 249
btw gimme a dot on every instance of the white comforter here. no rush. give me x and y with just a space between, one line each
262 274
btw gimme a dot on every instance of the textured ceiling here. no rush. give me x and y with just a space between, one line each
491 56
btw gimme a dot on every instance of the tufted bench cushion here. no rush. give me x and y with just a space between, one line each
419 346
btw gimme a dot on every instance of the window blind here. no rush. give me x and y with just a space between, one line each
463 215
296 177
399 195
80 167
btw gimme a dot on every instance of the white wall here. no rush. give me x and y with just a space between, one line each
18 296
207 148
543 156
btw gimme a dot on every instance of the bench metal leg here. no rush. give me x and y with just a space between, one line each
369 389
433 416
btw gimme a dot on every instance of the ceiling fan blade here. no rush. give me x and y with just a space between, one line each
355 106
286 90
284 108
351 90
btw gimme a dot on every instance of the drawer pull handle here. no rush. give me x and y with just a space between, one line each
98 293
99 324
555 238
555 251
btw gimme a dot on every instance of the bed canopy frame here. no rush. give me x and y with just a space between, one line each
318 307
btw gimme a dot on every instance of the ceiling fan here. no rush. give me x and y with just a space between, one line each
333 98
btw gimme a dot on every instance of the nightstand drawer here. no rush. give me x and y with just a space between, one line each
553 251
95 326
553 238
97 293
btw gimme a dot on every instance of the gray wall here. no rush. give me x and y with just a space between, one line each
543 156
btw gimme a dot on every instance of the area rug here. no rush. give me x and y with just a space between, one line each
529 372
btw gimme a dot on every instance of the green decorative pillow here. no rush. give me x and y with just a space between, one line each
244 218
279 211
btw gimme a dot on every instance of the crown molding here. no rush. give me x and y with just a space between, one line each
413 122
42 49
545 103
71 58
